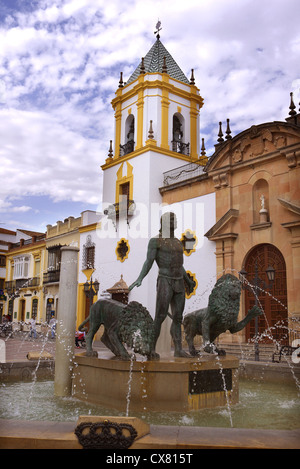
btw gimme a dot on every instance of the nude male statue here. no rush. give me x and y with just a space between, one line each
167 251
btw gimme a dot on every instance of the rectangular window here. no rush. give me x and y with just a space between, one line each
90 257
54 258
34 309
21 267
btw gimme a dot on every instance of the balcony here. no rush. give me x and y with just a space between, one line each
183 173
13 286
128 147
51 276
122 209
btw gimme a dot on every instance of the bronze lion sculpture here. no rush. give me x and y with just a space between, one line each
220 315
129 324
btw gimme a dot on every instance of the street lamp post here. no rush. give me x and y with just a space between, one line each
91 289
257 284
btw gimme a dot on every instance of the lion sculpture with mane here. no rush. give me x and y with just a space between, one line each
130 324
220 315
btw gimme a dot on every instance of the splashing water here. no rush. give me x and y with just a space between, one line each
136 336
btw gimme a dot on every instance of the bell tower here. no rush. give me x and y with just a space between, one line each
157 106
157 112
156 130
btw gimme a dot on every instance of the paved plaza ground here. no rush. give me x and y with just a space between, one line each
18 347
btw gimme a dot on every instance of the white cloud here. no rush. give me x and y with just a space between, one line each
48 158
59 68
8 207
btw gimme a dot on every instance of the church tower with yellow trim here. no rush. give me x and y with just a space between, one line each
157 113
156 130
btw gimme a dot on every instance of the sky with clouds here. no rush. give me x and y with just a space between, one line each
60 62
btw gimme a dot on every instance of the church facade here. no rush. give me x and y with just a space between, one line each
238 210
255 177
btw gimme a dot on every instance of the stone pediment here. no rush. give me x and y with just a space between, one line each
222 228
291 206
257 142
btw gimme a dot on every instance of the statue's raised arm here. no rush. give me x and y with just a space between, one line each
151 256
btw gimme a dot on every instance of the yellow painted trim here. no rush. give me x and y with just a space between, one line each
145 149
161 84
88 273
195 280
140 89
193 130
92 227
128 251
194 244
165 103
80 305
140 119
81 298
31 248
151 142
123 180
118 117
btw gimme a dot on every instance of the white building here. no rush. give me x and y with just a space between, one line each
156 131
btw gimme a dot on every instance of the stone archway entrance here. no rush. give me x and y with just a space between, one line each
274 300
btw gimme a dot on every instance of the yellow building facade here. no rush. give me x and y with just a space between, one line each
24 279
64 233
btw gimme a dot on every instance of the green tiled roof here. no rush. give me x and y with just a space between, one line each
153 63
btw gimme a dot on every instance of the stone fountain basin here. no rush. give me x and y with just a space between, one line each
170 384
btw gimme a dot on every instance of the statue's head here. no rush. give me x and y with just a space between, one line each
136 328
168 224
225 295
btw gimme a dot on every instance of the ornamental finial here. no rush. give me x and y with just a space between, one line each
220 134
292 106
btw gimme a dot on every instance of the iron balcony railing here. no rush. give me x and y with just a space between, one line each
126 207
128 147
51 276
182 173
13 285
181 147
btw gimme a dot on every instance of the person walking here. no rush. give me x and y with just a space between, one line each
32 327
52 325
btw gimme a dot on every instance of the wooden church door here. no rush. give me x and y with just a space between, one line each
272 325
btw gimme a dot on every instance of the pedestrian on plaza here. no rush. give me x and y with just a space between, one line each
32 327
52 324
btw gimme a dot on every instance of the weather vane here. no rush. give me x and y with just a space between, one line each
158 28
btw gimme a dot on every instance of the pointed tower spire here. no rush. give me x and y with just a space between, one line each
121 84
154 62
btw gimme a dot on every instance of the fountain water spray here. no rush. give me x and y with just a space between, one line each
66 321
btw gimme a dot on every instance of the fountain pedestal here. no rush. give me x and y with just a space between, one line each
170 384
